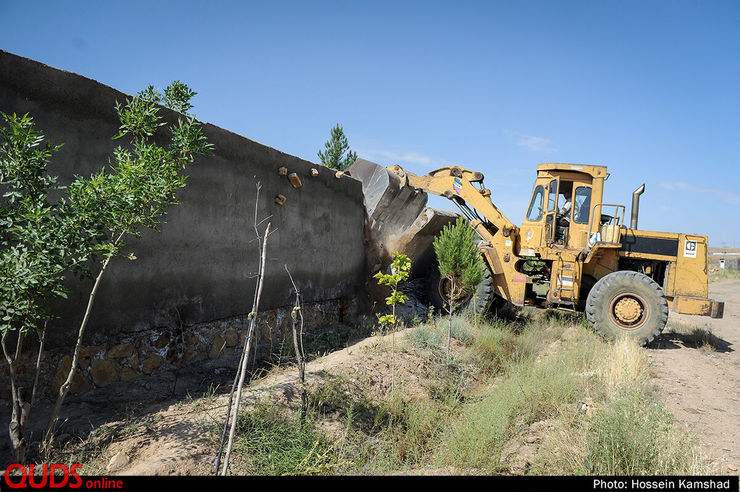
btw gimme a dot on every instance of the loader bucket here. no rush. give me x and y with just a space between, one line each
399 219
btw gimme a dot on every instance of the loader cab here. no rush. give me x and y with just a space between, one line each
561 207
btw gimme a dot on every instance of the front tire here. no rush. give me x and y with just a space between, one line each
484 293
627 303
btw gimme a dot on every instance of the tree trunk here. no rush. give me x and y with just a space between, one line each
38 366
393 343
247 350
299 347
64 388
449 327
228 408
475 311
19 407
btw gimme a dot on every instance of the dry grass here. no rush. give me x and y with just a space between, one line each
623 367
723 275
623 430
695 336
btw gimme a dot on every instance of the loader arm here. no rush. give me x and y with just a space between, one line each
456 184
500 236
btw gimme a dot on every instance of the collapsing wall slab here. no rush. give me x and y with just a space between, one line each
399 218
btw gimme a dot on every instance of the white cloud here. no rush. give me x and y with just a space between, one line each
387 155
535 144
725 196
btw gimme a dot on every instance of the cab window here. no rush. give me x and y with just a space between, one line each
582 204
535 207
552 196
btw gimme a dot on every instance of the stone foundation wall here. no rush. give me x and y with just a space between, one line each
145 361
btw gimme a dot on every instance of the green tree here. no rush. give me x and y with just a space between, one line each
336 154
142 182
176 96
34 253
399 272
40 240
460 265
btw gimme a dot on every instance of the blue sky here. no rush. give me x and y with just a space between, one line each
650 89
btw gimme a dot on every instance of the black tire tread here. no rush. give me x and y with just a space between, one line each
484 292
597 298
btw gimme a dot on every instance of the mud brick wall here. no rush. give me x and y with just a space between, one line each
201 267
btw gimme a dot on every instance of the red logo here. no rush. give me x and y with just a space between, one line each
49 476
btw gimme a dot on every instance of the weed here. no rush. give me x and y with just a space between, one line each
504 382
274 442
495 347
637 437
426 336
151 423
627 432
723 274
462 328
409 428
210 393
529 390
340 396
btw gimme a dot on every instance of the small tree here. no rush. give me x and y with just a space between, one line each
41 240
144 180
34 253
297 314
335 149
460 265
399 272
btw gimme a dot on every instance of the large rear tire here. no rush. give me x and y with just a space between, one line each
627 303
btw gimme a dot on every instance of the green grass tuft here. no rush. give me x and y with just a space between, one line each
274 442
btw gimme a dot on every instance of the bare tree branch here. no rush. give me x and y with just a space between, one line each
245 359
301 360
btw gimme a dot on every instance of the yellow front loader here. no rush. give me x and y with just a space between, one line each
581 257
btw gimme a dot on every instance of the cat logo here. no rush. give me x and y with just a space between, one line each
689 249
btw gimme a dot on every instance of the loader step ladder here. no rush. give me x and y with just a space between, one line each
564 285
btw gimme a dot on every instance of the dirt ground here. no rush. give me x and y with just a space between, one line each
700 386
173 438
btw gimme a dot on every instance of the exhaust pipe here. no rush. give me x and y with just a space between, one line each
636 205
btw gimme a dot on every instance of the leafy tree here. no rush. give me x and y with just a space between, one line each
176 96
460 265
34 252
336 154
134 194
40 240
399 272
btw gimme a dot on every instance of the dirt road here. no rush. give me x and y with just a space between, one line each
699 377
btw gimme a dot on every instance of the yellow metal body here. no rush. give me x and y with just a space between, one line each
546 263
